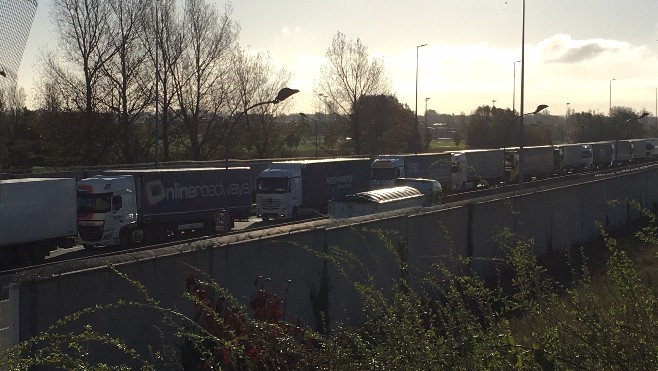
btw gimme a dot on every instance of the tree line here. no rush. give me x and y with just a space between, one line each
140 81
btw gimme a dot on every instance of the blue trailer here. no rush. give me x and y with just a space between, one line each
289 189
121 207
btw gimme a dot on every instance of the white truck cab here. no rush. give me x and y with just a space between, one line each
384 170
279 192
106 205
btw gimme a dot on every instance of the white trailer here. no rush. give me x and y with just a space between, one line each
479 166
538 162
640 149
571 157
37 215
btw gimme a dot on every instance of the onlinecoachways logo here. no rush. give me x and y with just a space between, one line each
156 191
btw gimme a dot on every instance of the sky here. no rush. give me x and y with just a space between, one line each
573 49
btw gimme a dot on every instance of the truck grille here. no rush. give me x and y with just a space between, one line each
270 204
90 233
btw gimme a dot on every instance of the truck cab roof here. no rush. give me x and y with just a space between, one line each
107 184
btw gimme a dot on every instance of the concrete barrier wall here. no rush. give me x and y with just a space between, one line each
292 257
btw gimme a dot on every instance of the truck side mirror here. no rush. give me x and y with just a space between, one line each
116 203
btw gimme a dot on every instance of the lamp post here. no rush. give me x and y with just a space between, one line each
514 89
426 128
322 98
522 97
566 128
157 83
610 106
281 96
415 131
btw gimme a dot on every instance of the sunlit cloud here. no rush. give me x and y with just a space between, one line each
287 31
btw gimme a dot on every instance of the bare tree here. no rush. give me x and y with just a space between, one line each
257 80
349 74
202 74
164 26
85 42
128 72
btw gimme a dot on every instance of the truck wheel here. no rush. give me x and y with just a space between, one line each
124 239
87 246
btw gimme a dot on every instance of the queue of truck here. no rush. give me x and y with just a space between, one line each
127 207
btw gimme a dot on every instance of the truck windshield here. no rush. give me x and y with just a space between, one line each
382 174
272 185
96 203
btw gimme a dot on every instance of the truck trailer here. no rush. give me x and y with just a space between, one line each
570 158
480 166
538 162
622 152
124 207
37 215
293 189
385 169
600 154
640 149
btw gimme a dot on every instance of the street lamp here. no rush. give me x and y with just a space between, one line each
323 103
522 97
566 128
157 83
610 108
415 131
514 88
426 130
281 96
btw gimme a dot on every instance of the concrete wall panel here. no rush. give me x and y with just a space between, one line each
434 236
534 209
617 196
594 207
488 219
566 217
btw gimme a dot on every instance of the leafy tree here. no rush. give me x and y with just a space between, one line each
491 127
622 124
387 125
349 74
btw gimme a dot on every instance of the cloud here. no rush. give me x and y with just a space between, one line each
562 48
287 31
